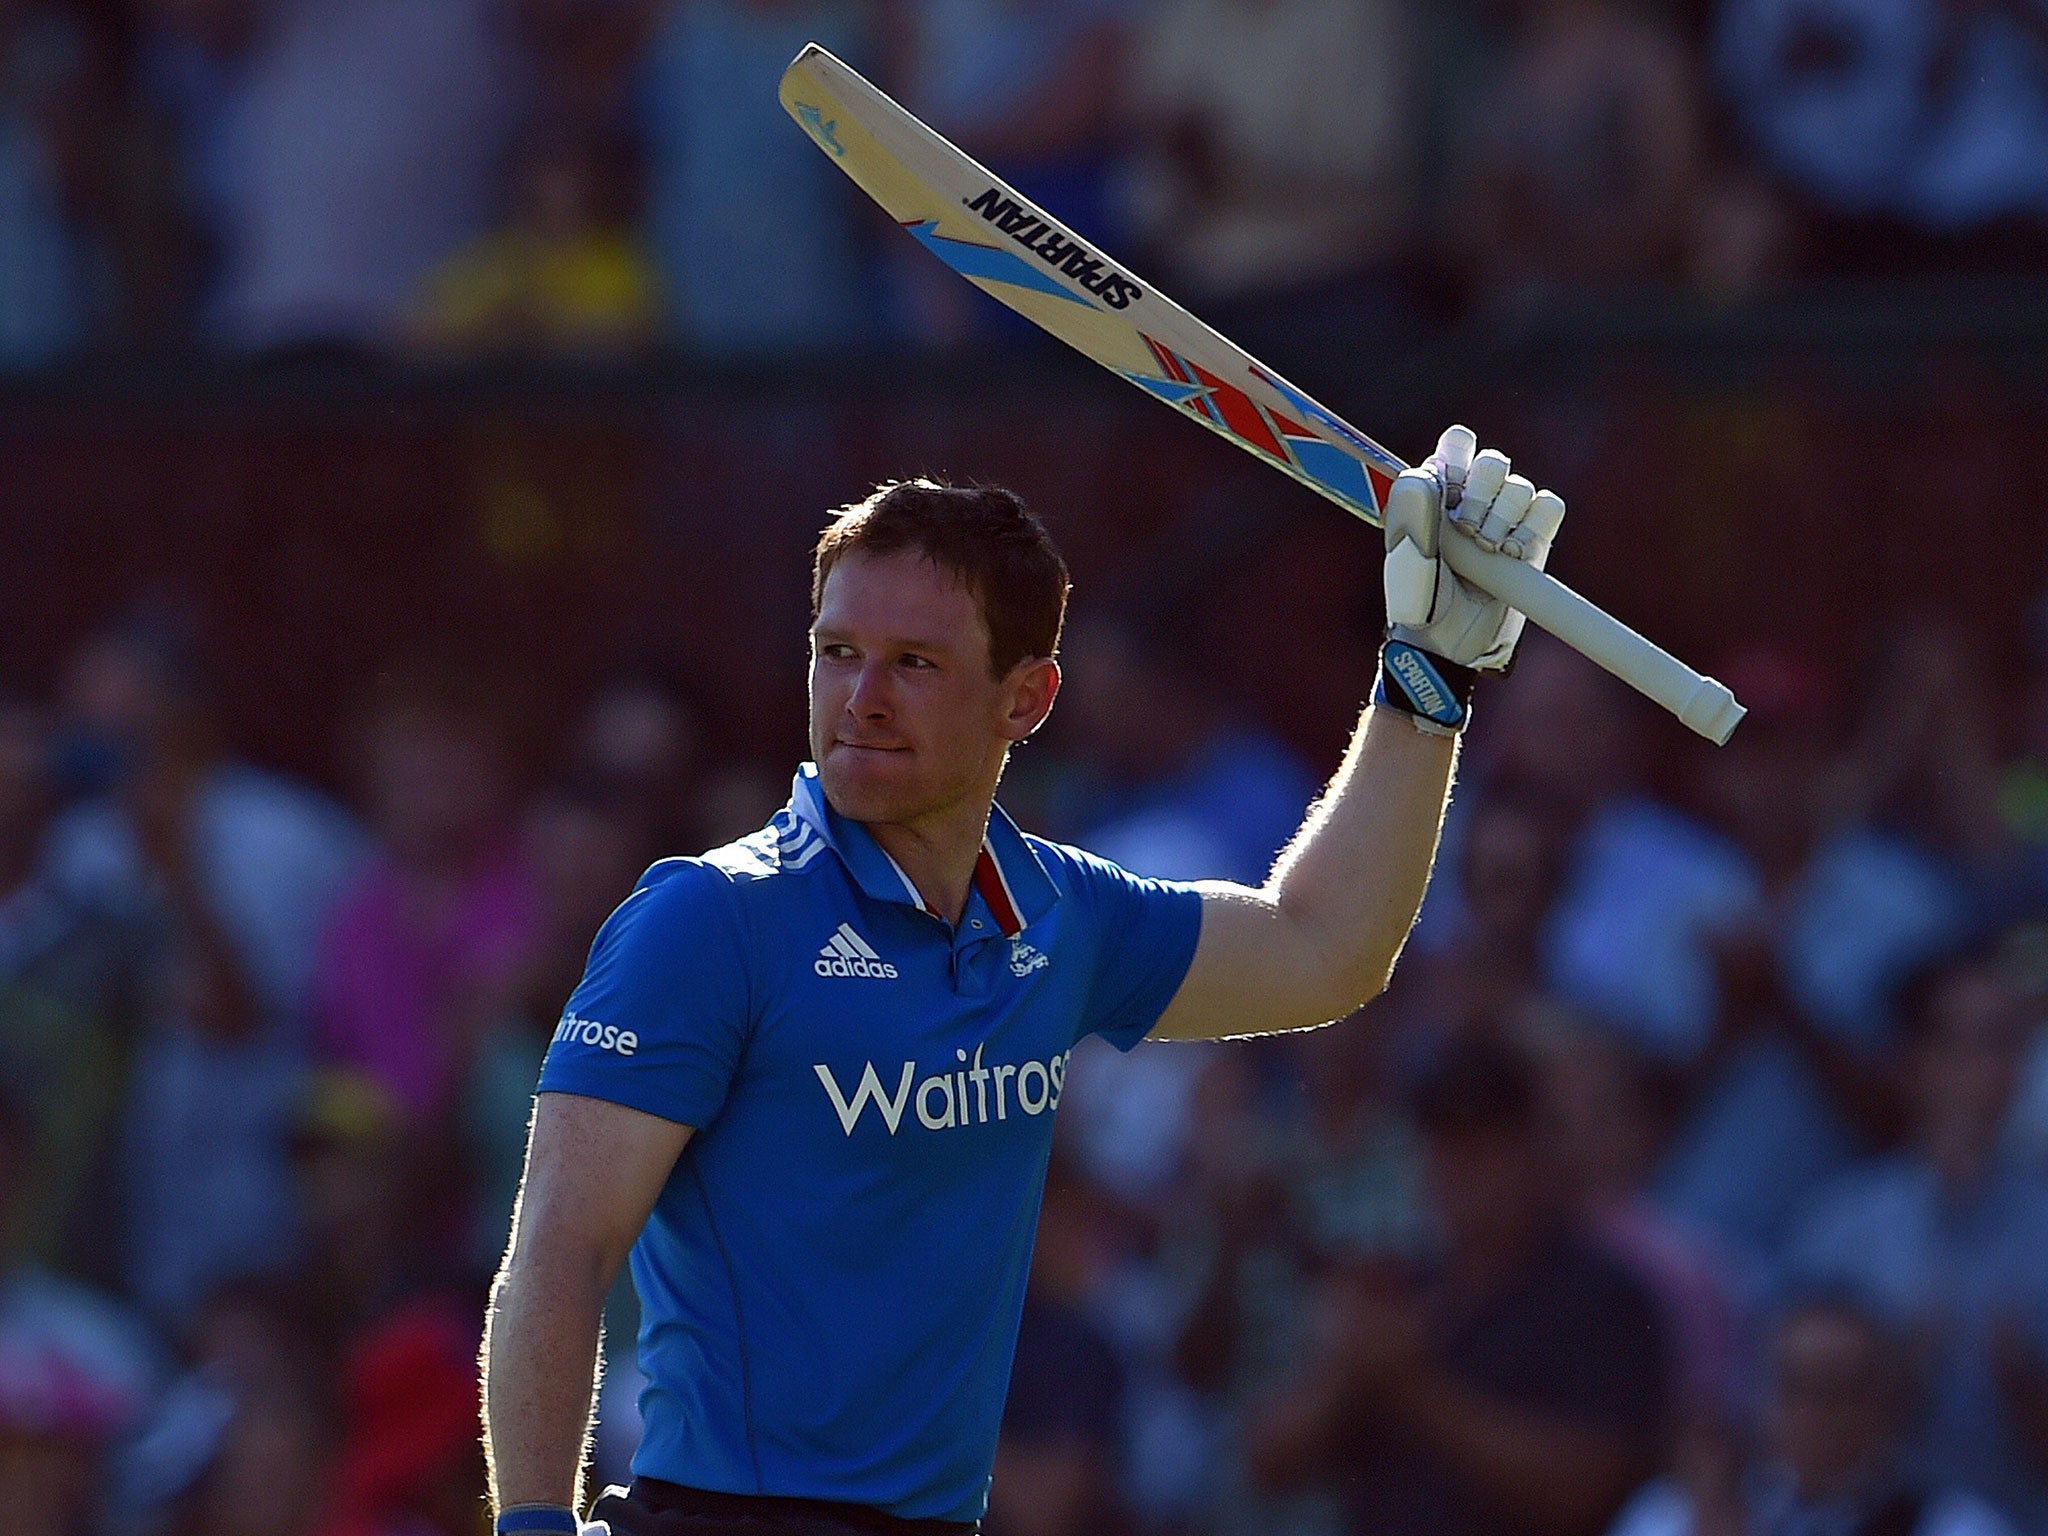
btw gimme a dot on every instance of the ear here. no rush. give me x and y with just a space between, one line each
1028 693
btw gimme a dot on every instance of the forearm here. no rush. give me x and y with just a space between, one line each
1321 936
540 1370
1351 881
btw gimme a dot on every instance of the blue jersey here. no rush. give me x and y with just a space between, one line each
831 1280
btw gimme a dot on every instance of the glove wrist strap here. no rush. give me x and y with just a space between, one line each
538 1520
1435 695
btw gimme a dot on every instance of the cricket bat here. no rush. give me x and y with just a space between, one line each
1014 251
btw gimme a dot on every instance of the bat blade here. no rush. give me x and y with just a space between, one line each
1016 252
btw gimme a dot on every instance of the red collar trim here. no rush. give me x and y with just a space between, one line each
995 890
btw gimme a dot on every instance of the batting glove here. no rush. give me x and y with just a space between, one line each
1440 630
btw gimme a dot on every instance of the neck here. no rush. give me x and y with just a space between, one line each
938 854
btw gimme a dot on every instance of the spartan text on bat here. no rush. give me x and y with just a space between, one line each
1066 256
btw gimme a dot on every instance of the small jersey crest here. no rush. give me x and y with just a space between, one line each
1024 959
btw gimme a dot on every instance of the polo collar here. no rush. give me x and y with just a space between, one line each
1009 878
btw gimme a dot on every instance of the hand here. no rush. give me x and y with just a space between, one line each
1428 606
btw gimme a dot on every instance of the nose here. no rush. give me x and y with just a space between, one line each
869 699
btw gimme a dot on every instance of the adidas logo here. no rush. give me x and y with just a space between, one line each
848 954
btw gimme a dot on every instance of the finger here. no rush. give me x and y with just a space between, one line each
1454 452
1538 527
1516 493
1483 481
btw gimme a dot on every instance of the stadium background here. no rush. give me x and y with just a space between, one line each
414 417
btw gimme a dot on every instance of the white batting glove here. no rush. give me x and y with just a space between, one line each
1431 611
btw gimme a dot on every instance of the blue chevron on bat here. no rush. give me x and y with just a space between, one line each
988 263
1335 470
1172 391
1335 423
825 133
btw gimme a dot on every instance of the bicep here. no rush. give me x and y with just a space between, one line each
1254 972
593 1172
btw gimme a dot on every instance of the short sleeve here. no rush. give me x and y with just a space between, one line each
661 1016
1144 934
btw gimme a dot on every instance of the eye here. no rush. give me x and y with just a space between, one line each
916 662
836 650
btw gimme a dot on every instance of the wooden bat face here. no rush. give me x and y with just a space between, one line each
1018 253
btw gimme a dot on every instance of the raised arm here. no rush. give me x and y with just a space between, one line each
1321 936
593 1172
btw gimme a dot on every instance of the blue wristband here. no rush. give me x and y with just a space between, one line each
555 1519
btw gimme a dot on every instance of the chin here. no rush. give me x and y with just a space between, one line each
870 787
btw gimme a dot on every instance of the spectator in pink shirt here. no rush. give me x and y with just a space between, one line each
422 947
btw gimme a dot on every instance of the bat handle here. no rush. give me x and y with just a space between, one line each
1700 703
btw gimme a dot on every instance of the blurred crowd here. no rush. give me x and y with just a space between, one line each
1691 1179
602 179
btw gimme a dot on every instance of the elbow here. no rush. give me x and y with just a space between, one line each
1348 968
1349 990
1375 971
567 1258
1377 979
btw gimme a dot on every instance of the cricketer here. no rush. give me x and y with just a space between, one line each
808 1080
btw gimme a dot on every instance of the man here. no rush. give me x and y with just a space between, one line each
818 1067
1947 1237
74 980
1830 1453
1514 1386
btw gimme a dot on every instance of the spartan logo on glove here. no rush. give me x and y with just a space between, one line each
970 1095
1422 688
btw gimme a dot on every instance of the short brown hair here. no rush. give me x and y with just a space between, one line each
981 533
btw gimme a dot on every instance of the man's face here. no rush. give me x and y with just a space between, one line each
907 724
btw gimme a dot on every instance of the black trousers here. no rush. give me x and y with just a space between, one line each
652 1507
